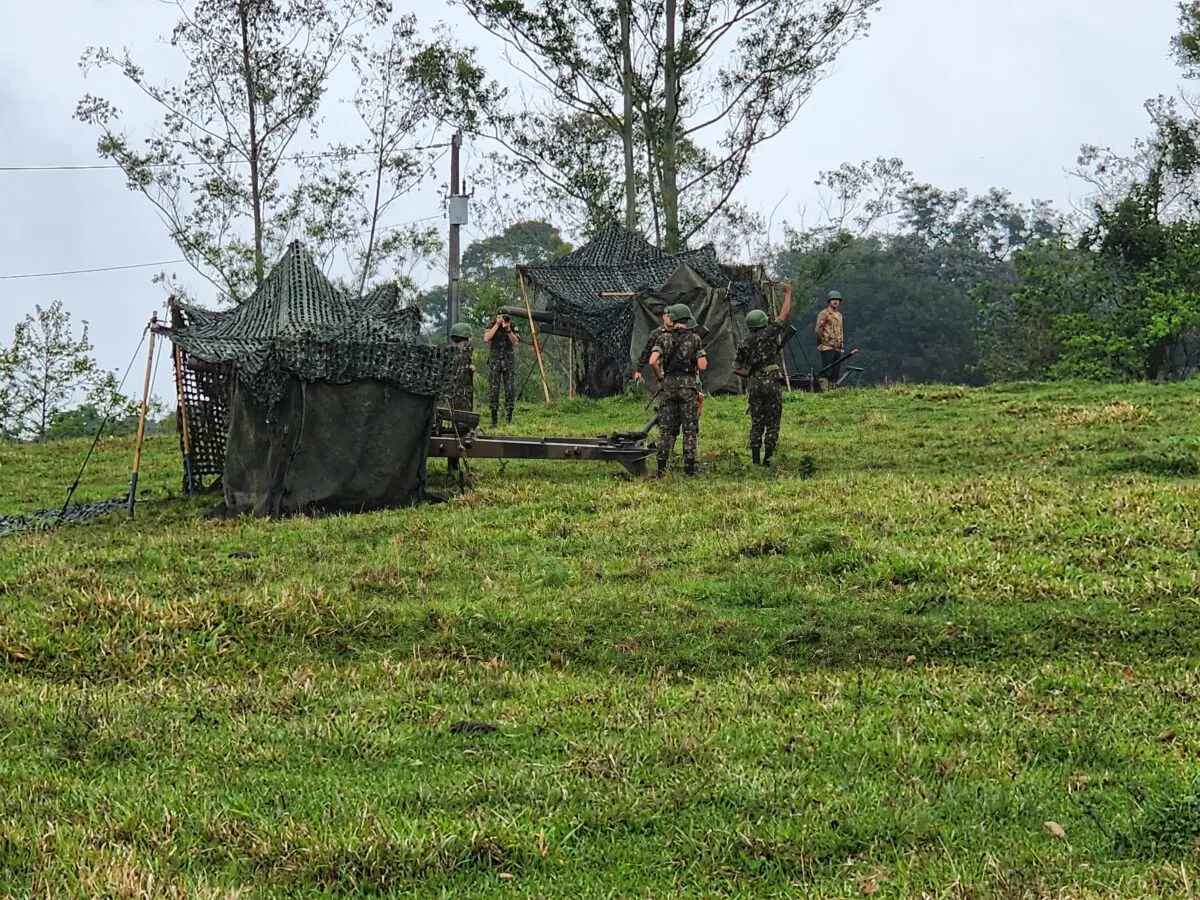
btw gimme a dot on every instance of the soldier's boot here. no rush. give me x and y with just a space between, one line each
689 467
493 418
767 457
754 455
662 469
508 415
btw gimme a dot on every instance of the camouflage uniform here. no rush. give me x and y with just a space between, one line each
644 359
760 356
502 368
678 353
462 395
830 341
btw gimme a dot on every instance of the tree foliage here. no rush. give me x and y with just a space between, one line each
44 371
236 168
700 86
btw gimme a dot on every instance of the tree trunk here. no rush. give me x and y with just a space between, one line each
252 110
670 136
627 115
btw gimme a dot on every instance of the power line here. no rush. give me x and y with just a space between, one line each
172 262
169 262
88 167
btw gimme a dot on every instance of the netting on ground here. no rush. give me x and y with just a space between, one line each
622 261
45 519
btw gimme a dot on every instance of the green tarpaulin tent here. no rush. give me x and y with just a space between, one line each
712 309
328 399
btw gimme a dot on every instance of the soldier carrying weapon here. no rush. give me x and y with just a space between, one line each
759 359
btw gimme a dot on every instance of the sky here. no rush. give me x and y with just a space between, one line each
969 93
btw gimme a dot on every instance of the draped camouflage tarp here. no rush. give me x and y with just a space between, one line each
711 308
621 261
327 398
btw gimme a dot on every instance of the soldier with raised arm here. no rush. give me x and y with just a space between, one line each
502 340
759 359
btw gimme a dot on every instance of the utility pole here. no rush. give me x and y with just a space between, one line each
458 218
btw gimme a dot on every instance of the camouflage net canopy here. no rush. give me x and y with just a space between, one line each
622 261
307 398
297 324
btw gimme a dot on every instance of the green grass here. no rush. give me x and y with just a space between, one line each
950 617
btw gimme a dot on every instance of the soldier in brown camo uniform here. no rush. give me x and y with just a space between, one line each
759 359
829 339
677 359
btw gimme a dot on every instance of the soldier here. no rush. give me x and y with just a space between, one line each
654 336
829 338
759 359
502 338
463 395
677 359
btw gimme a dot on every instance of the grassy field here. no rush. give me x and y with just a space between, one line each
950 648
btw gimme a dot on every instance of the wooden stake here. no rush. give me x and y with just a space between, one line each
537 348
570 368
189 467
141 431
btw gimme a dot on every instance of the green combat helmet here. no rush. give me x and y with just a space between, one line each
460 330
756 319
680 313
834 295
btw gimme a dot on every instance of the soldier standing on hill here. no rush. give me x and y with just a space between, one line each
677 359
649 348
502 338
463 396
759 359
829 338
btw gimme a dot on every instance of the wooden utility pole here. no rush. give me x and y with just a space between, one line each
458 210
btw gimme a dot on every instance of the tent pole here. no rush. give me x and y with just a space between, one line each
537 348
570 368
141 432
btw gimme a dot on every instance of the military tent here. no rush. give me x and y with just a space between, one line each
711 306
324 400
622 264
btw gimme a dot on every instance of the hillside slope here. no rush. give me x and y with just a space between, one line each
953 627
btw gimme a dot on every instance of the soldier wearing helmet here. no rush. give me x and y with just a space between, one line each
758 359
502 339
463 395
677 359
829 336
644 357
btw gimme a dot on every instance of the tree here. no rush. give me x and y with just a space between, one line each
236 168
699 85
407 91
911 258
489 270
47 366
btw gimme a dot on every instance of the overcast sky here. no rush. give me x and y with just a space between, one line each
970 93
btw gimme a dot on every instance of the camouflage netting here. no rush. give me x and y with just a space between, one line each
317 400
621 261
297 324
45 519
